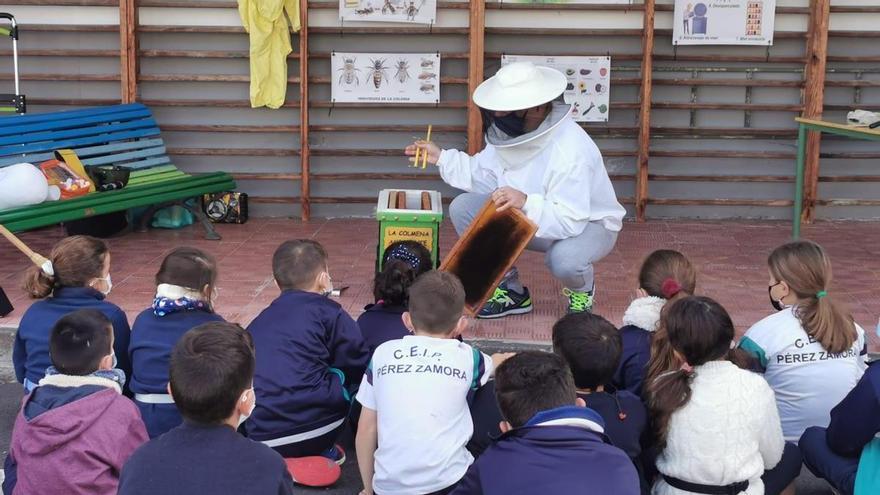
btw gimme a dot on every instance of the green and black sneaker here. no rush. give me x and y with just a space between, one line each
579 301
505 302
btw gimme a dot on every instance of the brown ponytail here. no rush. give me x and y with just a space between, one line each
700 330
805 267
668 274
76 260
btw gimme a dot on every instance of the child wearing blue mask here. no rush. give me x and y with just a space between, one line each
77 276
185 287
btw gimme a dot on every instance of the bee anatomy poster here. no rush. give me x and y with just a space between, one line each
589 83
385 77
413 11
723 22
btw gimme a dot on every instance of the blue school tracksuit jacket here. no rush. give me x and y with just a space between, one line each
309 351
561 450
152 338
30 354
855 424
380 323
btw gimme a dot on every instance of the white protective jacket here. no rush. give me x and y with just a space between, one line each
557 166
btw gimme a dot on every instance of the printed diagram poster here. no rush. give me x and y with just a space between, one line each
413 11
723 22
589 83
385 77
627 2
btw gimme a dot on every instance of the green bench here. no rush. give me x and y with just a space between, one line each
125 135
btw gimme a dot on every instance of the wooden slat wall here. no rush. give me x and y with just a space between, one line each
695 131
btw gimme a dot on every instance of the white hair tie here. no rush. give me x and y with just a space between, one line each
47 268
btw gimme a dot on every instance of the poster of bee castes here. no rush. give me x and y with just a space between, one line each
589 83
413 11
385 77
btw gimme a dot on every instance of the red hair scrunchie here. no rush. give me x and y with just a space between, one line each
669 288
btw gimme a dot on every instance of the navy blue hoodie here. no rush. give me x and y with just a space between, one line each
562 450
380 323
308 350
195 459
856 420
30 355
152 338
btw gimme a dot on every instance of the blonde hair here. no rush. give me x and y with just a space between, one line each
76 260
805 267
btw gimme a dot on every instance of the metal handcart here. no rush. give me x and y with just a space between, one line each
12 102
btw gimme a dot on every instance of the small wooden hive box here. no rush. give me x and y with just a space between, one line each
409 215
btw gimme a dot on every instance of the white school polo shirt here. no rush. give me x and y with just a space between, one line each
418 387
808 380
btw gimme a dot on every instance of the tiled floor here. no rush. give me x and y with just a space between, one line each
730 257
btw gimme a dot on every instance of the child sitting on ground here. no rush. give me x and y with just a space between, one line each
77 277
591 346
847 453
665 276
414 396
212 370
402 263
311 353
811 351
185 288
716 425
75 430
552 443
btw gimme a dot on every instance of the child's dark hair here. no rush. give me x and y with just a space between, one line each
296 263
668 274
531 382
402 262
700 330
76 260
805 267
590 345
436 302
79 341
188 267
211 365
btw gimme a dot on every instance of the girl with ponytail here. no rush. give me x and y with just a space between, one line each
665 276
716 426
402 263
811 351
76 277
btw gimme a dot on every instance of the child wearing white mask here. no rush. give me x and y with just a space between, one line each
212 372
77 276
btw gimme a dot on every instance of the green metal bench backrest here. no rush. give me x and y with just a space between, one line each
124 135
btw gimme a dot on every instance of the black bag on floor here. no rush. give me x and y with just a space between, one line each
5 305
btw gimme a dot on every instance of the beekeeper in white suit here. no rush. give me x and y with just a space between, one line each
539 160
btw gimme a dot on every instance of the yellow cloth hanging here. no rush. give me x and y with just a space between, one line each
266 24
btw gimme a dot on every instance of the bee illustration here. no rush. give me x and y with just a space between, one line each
378 71
427 63
402 74
364 11
427 75
427 87
349 72
388 8
412 11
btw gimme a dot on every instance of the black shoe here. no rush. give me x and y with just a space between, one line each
506 302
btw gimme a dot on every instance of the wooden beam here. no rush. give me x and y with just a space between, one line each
128 51
814 96
306 208
476 38
645 112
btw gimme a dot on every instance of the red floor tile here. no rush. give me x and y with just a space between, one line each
731 259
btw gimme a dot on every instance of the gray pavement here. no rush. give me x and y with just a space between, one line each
349 483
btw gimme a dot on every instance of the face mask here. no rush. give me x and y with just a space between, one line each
777 305
329 289
109 284
115 362
243 417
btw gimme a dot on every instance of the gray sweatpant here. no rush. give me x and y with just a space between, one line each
569 260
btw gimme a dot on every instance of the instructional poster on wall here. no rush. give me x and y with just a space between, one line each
589 83
723 22
627 2
414 11
385 77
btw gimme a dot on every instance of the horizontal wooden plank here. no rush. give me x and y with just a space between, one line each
237 78
69 28
69 3
720 202
62 77
848 202
268 176
233 151
206 54
61 52
754 107
230 128
224 103
427 175
387 128
765 83
720 178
